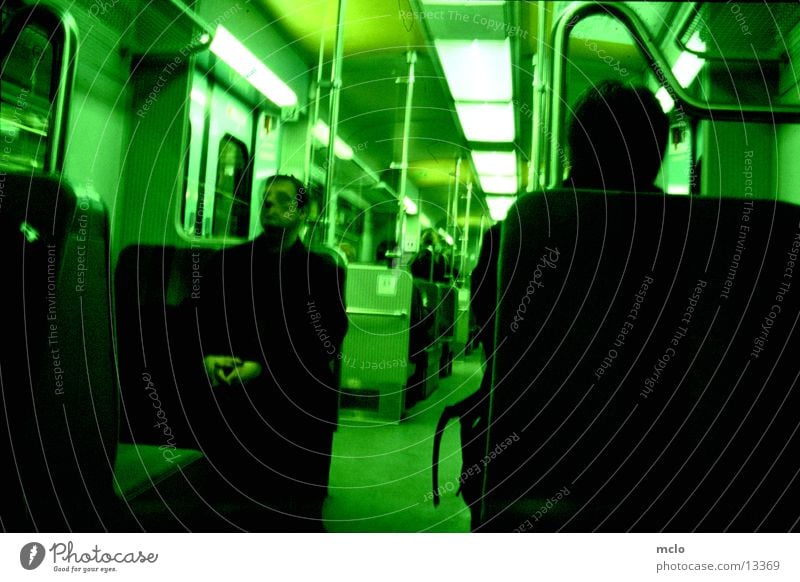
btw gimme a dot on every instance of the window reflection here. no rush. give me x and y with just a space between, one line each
26 101
232 200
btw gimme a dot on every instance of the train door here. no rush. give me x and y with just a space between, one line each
227 201
233 148
195 160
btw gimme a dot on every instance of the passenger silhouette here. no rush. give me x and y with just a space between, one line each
429 264
272 324
616 139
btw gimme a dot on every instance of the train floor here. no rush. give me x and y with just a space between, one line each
380 477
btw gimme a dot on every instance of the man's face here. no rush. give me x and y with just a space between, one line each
280 209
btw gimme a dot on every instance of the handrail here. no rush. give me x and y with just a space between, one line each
376 312
657 62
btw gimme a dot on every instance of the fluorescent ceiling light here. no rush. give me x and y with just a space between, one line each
228 48
492 122
410 205
688 65
664 98
498 184
696 44
499 205
495 163
477 70
686 68
322 134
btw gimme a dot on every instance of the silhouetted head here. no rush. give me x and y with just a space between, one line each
617 138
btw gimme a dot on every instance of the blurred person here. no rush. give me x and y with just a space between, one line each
272 321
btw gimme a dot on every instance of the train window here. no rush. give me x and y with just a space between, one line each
28 82
743 71
232 196
601 48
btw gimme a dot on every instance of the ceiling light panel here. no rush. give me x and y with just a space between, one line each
237 56
495 163
499 205
498 184
489 122
477 70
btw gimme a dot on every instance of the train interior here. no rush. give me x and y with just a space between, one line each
136 141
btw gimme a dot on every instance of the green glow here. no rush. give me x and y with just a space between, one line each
228 48
498 184
499 205
477 70
495 163
31 234
490 122
687 66
322 133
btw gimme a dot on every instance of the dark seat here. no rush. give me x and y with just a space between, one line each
58 425
448 296
65 469
646 372
159 363
424 348
168 404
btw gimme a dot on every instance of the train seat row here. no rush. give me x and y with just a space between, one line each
645 377
400 330
90 457
81 461
60 426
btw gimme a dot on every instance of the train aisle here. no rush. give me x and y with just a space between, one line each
381 475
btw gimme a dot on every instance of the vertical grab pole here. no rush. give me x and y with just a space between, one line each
411 59
465 239
314 117
452 225
331 196
538 173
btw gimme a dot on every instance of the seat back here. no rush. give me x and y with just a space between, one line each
448 296
646 366
58 427
375 351
159 358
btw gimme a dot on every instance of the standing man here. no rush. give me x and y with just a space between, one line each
272 320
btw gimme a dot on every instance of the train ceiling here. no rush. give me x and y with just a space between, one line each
378 34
